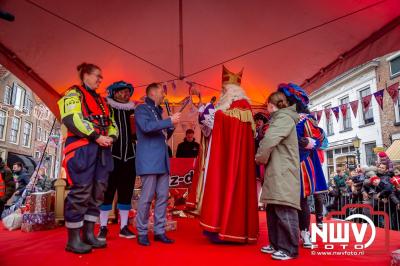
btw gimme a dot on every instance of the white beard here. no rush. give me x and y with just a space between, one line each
233 93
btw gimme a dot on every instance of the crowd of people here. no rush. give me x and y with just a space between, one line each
17 181
377 186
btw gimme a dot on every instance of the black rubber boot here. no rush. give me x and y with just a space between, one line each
75 243
89 238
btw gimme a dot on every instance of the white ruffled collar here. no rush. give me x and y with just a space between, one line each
122 106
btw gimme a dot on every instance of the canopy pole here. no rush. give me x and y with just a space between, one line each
181 72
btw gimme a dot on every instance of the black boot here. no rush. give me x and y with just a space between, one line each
89 238
75 243
143 240
163 239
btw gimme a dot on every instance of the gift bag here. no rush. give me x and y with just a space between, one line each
13 221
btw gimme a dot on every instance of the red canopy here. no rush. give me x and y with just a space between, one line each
138 41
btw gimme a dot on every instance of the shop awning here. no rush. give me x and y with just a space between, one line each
394 151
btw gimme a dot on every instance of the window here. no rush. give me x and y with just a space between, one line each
7 95
45 136
329 122
14 130
37 154
26 138
28 105
347 161
3 124
329 161
394 67
397 110
370 155
329 157
15 95
368 116
18 96
343 150
39 133
347 118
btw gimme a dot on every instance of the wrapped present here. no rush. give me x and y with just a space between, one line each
169 226
171 204
38 221
135 199
138 183
40 202
179 196
136 193
36 227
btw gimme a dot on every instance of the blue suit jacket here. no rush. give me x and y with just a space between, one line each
151 150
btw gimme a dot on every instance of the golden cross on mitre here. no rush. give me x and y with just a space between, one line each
229 77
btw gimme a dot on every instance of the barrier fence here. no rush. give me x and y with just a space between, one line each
337 203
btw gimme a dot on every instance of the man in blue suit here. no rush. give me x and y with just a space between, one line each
152 162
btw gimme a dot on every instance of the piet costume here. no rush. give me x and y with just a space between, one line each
122 178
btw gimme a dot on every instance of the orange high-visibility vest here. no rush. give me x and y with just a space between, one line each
2 186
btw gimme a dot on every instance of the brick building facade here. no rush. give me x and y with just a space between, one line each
388 73
25 125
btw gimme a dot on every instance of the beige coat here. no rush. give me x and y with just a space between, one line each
279 150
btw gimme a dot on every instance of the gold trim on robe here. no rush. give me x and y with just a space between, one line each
244 115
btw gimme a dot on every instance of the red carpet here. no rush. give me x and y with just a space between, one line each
191 248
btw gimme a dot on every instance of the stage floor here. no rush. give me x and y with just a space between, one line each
191 248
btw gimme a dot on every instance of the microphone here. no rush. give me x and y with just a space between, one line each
172 129
167 107
6 16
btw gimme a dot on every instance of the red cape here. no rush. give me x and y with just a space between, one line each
230 196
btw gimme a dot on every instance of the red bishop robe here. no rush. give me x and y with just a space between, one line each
230 196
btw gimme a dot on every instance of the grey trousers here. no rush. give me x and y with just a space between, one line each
283 229
153 184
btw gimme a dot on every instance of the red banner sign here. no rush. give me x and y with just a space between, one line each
182 171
